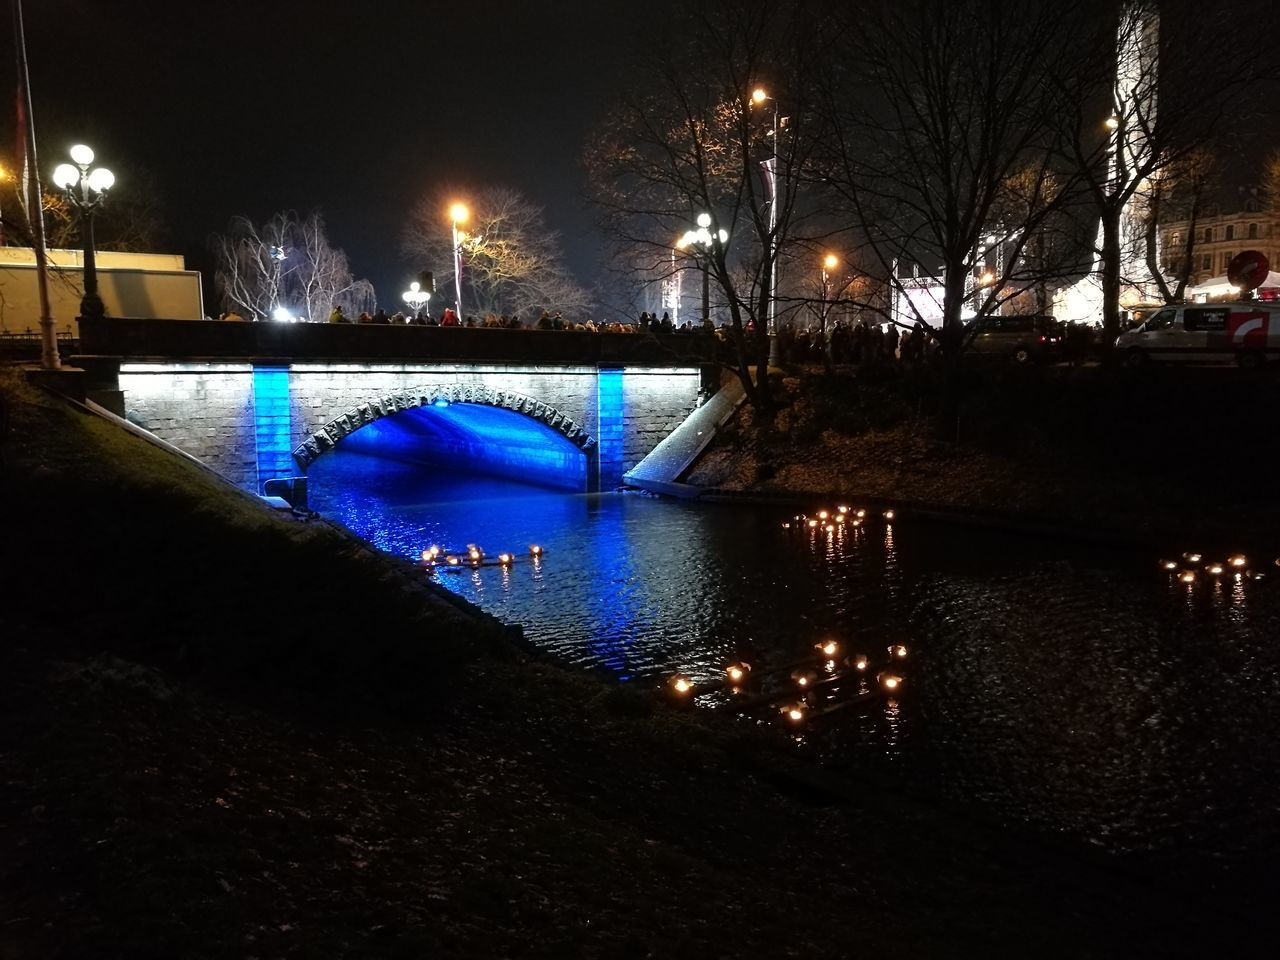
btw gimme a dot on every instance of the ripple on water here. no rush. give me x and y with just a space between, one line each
1051 684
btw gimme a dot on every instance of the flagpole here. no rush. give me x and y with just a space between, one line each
35 207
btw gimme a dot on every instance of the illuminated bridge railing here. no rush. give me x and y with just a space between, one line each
341 343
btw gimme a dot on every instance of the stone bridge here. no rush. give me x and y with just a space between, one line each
260 401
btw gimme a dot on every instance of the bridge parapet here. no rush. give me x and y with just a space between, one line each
333 342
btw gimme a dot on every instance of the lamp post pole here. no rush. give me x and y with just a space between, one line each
87 190
458 213
49 359
829 263
675 290
758 96
278 256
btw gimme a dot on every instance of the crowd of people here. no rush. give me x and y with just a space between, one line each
648 323
858 343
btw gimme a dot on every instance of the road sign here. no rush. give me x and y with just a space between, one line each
1248 270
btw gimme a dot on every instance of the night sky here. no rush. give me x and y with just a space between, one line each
246 106
358 109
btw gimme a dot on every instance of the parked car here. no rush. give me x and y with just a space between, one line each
1020 338
1247 333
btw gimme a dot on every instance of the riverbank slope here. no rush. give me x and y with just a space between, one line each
226 732
1165 456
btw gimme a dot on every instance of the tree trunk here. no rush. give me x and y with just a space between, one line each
947 426
1111 254
1151 236
1189 248
764 395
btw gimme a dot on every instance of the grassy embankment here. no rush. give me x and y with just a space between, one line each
228 733
1156 455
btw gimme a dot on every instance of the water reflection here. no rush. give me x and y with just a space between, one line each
1087 694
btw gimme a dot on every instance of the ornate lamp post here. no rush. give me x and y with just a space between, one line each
458 213
415 298
86 189
702 241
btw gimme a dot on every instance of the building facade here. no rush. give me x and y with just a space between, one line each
1220 237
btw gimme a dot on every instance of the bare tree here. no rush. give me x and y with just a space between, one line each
1271 181
1170 76
287 264
1177 192
130 220
511 260
941 147
696 142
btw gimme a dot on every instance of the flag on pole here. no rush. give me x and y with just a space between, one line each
770 170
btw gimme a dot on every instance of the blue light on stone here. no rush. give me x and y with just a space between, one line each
609 428
469 438
272 425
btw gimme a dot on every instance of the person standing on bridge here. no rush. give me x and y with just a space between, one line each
338 316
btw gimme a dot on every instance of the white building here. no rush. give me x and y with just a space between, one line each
130 284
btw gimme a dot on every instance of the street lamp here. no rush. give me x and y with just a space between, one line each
829 263
758 97
415 298
86 189
703 240
458 213
278 255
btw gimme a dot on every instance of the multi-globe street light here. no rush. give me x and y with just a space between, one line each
415 298
87 190
458 213
703 241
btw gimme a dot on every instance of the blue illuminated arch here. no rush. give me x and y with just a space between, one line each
327 437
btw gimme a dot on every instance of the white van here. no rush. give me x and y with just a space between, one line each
1246 333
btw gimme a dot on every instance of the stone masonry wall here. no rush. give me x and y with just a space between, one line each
204 409
208 409
655 402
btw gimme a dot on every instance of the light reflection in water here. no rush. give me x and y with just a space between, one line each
1089 693
893 728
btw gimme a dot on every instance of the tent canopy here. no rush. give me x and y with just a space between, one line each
1221 286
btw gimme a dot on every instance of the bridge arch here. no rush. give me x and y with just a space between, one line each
327 437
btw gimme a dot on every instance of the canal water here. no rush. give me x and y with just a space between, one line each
1071 690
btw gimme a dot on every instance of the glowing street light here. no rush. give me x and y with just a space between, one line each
87 190
829 263
415 298
704 241
458 213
